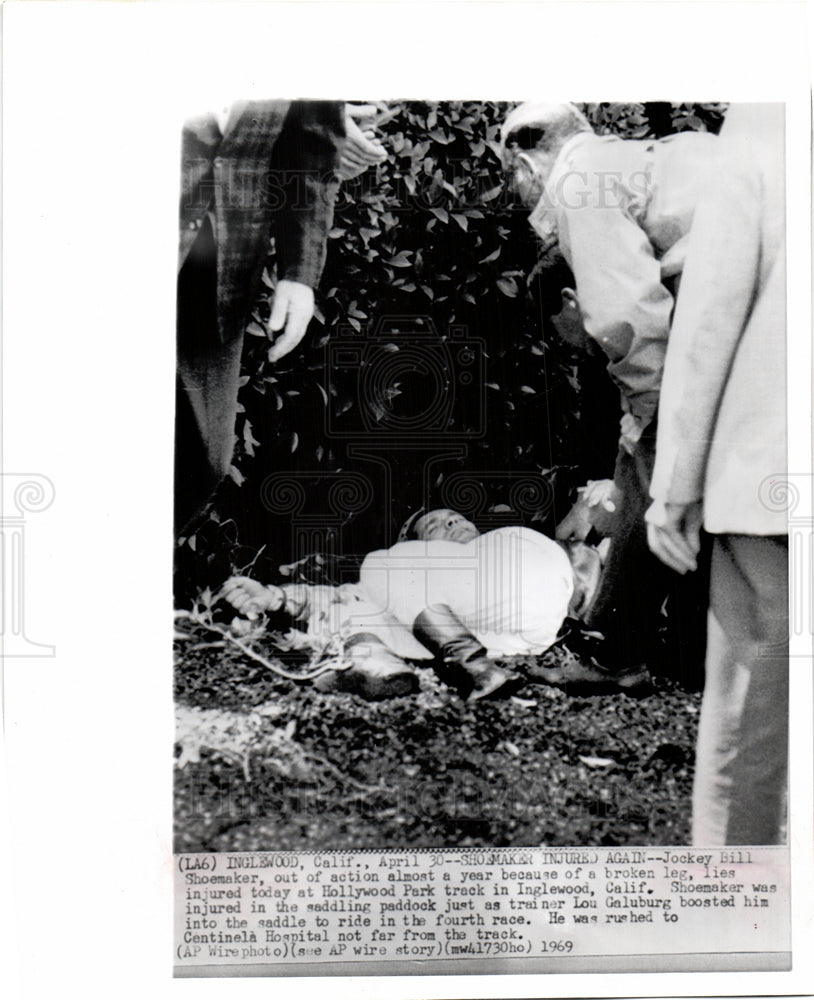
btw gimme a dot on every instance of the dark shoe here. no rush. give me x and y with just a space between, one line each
461 661
376 673
576 677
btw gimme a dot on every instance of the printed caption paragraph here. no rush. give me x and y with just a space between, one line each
279 907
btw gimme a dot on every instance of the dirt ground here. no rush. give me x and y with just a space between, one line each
264 763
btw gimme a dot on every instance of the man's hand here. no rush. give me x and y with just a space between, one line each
251 598
361 149
674 533
631 430
596 507
293 308
600 493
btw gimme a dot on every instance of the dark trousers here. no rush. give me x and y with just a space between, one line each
636 587
208 377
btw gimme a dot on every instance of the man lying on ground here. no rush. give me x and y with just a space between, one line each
447 593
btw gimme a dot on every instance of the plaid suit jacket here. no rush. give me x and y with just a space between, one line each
270 173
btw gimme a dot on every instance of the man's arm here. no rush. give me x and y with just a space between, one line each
307 156
626 308
717 295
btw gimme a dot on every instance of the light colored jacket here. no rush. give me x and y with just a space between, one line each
621 210
722 417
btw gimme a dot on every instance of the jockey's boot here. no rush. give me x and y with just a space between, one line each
375 672
460 660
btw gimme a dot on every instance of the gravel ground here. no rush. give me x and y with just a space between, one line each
263 763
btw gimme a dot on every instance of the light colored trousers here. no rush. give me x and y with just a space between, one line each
739 795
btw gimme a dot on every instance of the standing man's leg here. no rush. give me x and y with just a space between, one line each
626 605
742 754
207 385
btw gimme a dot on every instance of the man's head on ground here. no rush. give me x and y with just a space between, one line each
444 524
530 141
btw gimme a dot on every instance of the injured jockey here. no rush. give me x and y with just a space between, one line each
448 594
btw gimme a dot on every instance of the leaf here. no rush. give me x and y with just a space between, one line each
390 393
462 221
441 136
401 259
295 440
527 389
249 441
508 286
524 702
597 761
441 214
492 256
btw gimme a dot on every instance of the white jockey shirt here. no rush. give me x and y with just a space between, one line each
511 587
